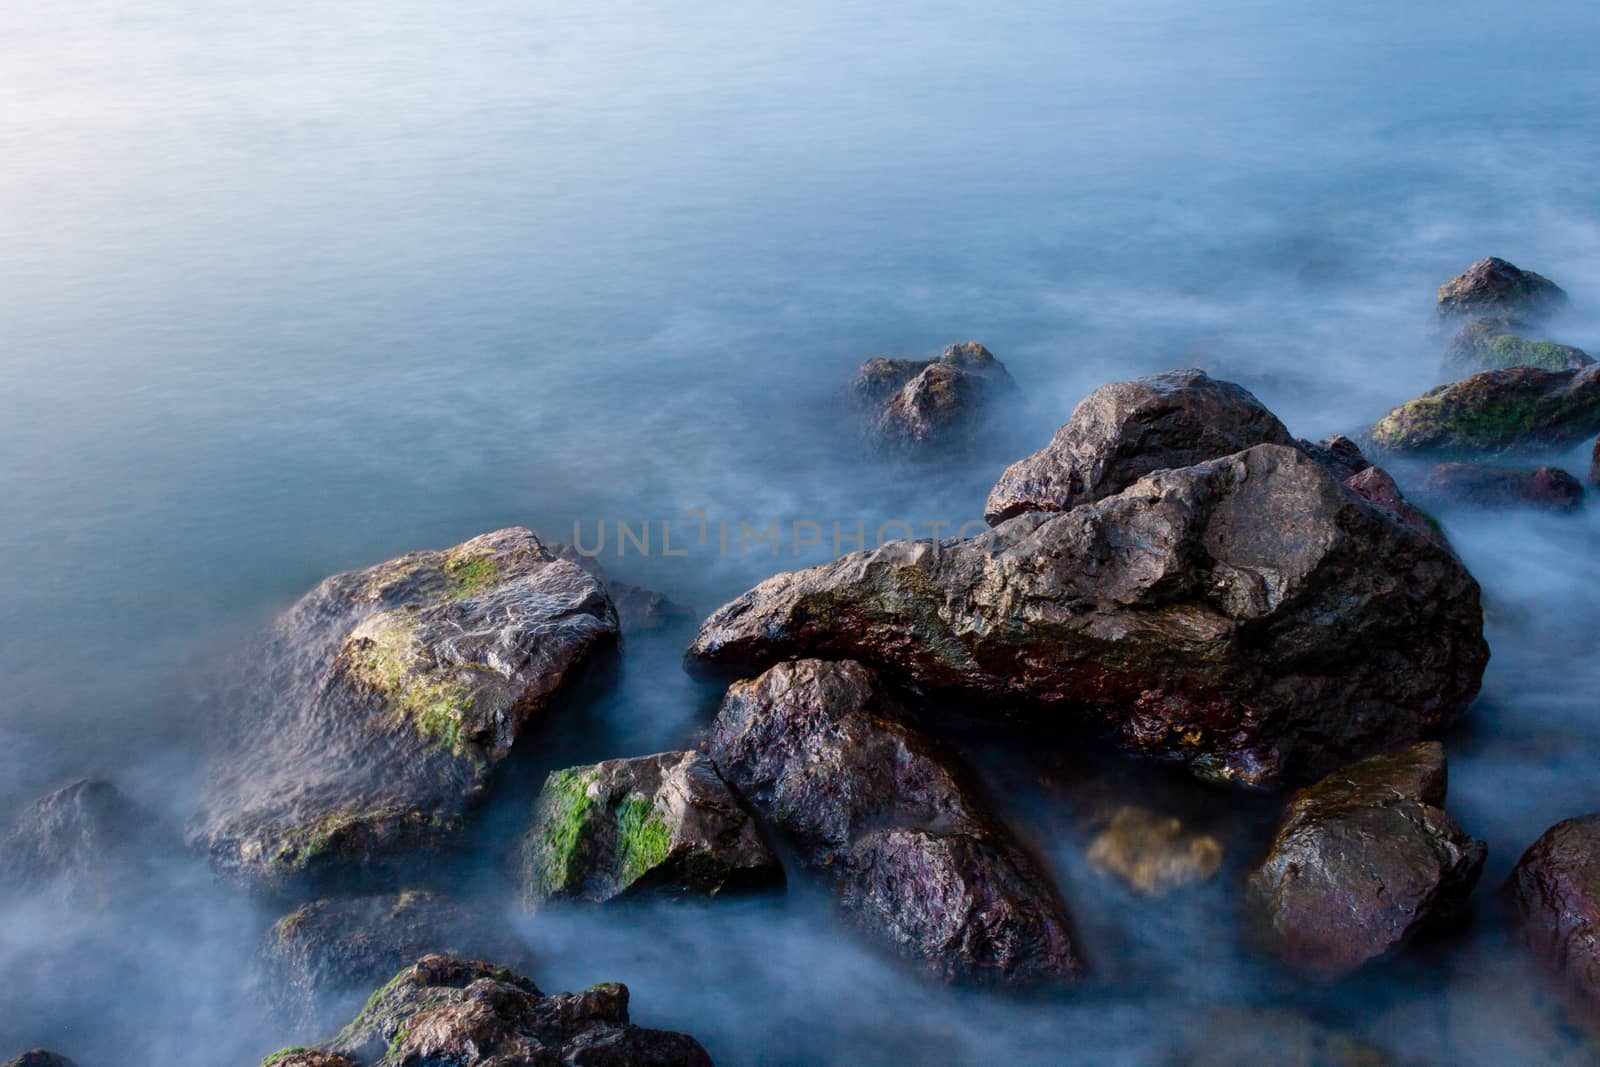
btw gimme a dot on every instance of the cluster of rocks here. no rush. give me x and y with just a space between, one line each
910 405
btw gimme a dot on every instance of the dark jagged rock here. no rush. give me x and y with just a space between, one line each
911 404
1491 344
1545 487
1521 407
1123 431
40 1058
384 701
1594 464
1250 615
655 824
76 839
888 817
465 1013
1494 288
1365 858
334 946
1555 896
1339 454
1152 853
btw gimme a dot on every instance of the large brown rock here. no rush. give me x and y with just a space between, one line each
1497 410
1364 859
1123 431
1494 288
1555 895
464 1013
912 404
654 824
1250 615
888 817
384 700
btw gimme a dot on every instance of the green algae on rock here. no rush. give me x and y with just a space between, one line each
1492 344
383 701
1498 410
665 824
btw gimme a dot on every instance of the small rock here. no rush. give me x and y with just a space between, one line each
307 1057
1365 858
886 815
1494 288
1278 1036
1491 344
1546 487
1594 464
464 1013
1152 854
76 840
1123 431
385 699
1555 895
1520 407
659 824
333 946
912 404
639 610
1339 454
40 1058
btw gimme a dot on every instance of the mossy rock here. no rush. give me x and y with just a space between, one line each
1498 410
1493 344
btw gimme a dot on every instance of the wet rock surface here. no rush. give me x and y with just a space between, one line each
78 840
1125 430
1495 288
464 1013
1498 410
1555 898
1491 344
333 946
1550 488
40 1058
889 817
655 824
386 697
1365 859
1250 615
913 404
1152 853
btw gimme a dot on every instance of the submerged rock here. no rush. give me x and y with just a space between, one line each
915 403
1232 1036
1520 407
1555 897
465 1013
334 946
387 697
1494 288
1364 859
1491 344
1250 615
40 1058
1152 853
1123 431
76 841
639 610
661 824
1545 487
887 816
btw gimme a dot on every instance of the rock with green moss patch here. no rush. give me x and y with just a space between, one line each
370 724
1492 287
1491 344
1498 410
307 1057
655 824
443 1010
335 946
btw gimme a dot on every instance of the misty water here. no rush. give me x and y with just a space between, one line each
292 289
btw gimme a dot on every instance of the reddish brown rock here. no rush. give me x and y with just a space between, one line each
1550 488
1494 288
1555 894
1364 859
889 817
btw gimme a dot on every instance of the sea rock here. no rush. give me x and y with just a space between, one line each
1125 430
1364 859
655 824
333 946
463 1013
639 610
886 815
307 1057
1494 288
1594 463
78 841
384 701
40 1058
1474 483
1555 897
911 404
1234 1035
1152 853
1491 344
1520 407
1340 455
1250 615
